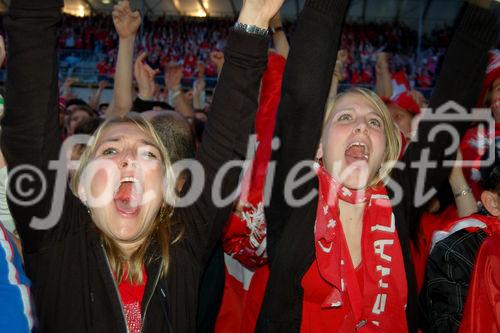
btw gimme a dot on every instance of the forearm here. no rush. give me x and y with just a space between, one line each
464 198
333 92
122 94
96 98
226 134
459 81
30 123
281 43
30 132
306 85
182 106
383 84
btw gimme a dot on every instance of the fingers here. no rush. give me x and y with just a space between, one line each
122 10
151 72
142 56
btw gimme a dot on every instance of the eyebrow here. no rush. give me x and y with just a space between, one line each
120 137
372 112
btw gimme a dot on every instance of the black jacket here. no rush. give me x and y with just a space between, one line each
290 231
73 286
447 278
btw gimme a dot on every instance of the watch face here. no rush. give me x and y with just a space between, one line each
251 29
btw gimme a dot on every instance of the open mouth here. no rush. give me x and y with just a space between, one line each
357 151
128 196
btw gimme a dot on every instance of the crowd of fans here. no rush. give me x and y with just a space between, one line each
190 41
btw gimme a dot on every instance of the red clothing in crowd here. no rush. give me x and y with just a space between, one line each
378 303
474 146
244 236
314 317
482 308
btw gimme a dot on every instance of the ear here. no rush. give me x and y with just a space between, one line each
491 203
414 124
82 194
319 152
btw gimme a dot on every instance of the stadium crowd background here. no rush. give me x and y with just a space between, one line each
88 48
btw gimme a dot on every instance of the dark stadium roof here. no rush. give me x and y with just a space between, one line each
433 11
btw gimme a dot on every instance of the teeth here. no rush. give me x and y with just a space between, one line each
129 180
360 144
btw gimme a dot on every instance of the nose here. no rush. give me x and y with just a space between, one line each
361 126
128 160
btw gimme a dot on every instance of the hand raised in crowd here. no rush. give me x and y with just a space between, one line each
217 57
102 85
145 77
259 12
419 98
200 83
382 64
68 83
126 21
3 53
342 56
173 77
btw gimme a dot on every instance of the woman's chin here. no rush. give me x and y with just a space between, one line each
356 181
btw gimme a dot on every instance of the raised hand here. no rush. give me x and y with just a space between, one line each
419 98
145 77
342 56
259 12
126 21
2 50
102 84
173 77
382 62
217 57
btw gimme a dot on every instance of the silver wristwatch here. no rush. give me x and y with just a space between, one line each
251 29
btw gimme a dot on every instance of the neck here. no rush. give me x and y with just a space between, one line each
128 249
351 213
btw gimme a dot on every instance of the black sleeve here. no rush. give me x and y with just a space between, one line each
459 81
141 105
30 133
447 279
225 138
306 84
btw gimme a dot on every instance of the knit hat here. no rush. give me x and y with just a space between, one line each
492 73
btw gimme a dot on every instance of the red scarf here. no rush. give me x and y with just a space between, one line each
380 306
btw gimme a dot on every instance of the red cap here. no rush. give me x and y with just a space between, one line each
492 73
405 101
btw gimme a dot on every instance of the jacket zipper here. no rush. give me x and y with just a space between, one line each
157 278
116 288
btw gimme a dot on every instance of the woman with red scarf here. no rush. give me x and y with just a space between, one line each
337 235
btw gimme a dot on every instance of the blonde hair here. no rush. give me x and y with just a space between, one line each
164 230
393 137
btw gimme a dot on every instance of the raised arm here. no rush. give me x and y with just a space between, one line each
30 133
126 22
337 76
383 80
280 41
96 97
173 78
460 81
231 120
306 85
